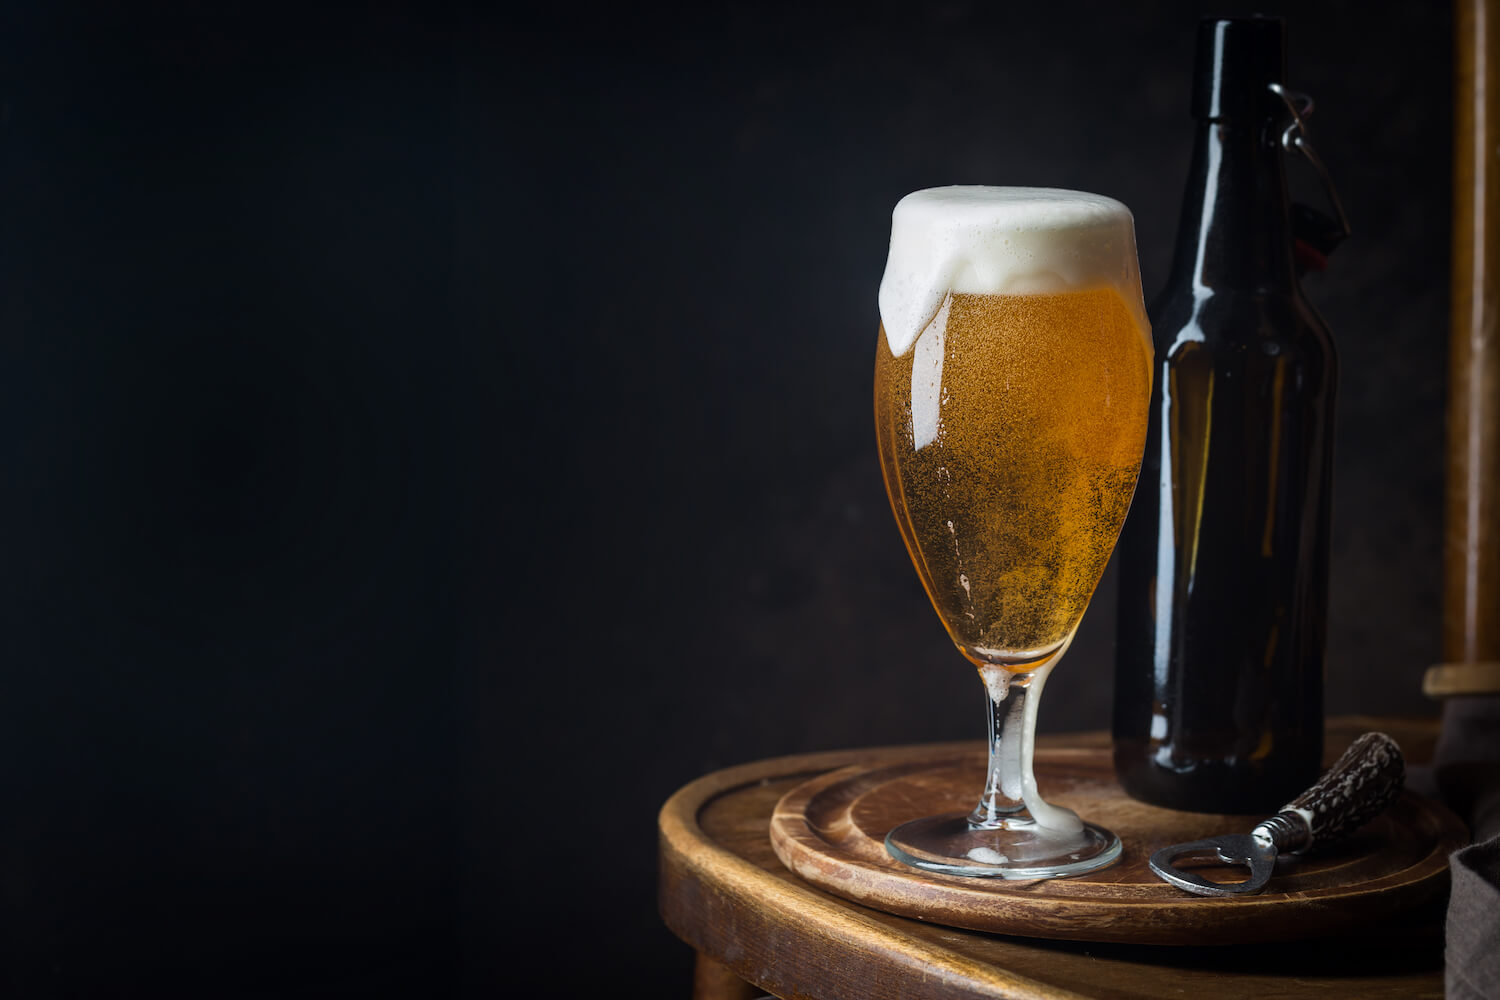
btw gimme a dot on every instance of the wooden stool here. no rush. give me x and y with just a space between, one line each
724 892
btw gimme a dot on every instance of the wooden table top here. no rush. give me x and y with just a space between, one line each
725 893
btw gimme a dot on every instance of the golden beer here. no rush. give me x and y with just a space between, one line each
1011 471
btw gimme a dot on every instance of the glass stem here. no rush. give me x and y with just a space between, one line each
1010 791
1005 694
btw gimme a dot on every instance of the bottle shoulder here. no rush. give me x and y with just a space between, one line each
1236 319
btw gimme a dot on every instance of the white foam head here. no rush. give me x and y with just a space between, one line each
1002 241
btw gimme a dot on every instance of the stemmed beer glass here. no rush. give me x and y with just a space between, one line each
1012 382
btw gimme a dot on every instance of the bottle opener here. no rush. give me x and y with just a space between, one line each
1364 781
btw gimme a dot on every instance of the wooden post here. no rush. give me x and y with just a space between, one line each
715 981
1471 556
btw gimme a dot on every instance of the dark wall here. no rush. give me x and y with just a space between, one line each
231 706
436 436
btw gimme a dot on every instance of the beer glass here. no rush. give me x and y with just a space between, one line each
1012 382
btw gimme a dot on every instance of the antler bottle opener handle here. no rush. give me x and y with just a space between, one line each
1359 786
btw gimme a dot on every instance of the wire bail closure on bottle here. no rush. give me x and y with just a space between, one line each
1294 137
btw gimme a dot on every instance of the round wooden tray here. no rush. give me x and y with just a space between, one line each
831 831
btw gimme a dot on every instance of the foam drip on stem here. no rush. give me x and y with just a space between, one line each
1011 781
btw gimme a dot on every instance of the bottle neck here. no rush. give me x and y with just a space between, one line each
1235 231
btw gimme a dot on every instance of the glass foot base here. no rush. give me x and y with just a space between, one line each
1020 849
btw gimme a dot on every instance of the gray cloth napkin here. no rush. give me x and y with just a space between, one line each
1465 774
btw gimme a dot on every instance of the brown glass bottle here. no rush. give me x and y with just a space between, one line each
1224 557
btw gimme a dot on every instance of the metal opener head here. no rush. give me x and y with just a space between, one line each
1256 853
1361 783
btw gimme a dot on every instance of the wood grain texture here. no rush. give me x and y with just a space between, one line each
723 891
1471 564
831 831
713 980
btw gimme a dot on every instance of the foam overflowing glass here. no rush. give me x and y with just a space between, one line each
1012 382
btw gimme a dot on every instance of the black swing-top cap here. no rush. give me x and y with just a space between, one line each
1237 58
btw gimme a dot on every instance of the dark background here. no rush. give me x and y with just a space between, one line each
435 435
